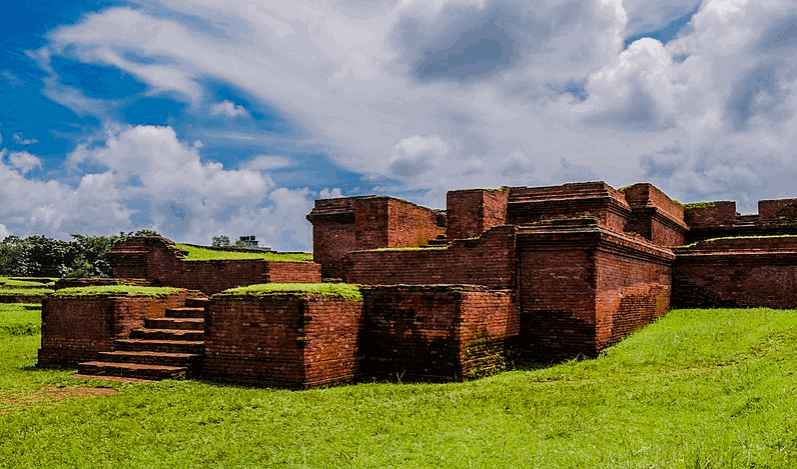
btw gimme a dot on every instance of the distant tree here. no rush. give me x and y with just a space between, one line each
40 256
222 241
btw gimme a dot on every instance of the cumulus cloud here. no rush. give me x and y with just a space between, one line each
229 109
24 161
133 177
447 94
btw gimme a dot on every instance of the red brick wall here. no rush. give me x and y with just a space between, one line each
576 296
488 327
777 210
282 340
411 225
746 272
332 239
471 212
161 265
359 223
293 272
371 222
648 195
76 328
722 213
596 200
654 216
631 291
488 261
436 333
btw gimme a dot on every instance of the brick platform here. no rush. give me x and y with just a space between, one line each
77 328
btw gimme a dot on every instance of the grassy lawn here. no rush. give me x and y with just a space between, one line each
699 388
202 254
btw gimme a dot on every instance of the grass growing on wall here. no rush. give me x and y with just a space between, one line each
698 388
126 290
342 290
202 254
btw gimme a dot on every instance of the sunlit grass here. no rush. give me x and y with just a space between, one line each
698 388
128 290
343 290
203 254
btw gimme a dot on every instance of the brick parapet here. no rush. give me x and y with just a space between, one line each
489 260
596 200
471 212
710 214
359 223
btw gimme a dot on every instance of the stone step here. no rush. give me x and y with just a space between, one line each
186 312
194 324
160 345
167 334
149 357
199 302
132 370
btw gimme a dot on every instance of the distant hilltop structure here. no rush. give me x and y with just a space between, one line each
394 288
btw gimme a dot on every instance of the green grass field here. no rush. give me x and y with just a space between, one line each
202 254
697 389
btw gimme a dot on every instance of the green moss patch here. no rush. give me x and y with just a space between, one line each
196 253
696 205
711 240
346 291
116 290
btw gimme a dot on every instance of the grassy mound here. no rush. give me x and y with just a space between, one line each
203 254
698 388
341 290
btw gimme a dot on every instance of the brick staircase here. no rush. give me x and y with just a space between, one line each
171 347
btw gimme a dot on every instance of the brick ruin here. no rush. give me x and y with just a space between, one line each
540 273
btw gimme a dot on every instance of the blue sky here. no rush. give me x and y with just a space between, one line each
197 119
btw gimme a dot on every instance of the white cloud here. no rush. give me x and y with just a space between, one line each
448 94
4 232
229 109
24 161
22 140
267 162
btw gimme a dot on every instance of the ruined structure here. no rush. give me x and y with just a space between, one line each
540 272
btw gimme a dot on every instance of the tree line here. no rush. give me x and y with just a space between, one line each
40 256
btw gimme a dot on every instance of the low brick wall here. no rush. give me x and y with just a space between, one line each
156 260
21 298
583 288
438 333
282 340
76 328
489 261
737 273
